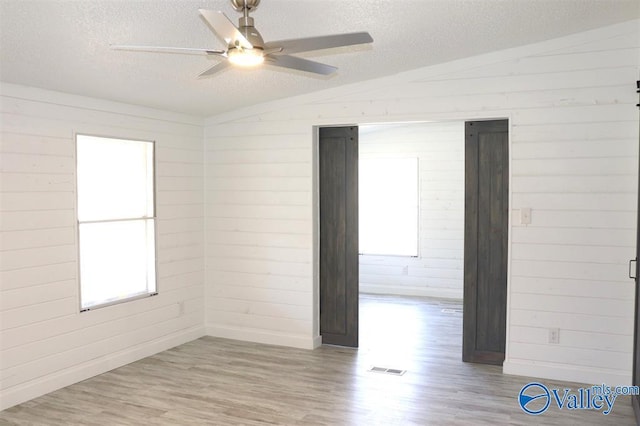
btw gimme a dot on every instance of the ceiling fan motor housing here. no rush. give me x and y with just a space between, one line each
240 5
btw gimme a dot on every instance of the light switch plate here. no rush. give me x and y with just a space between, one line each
525 216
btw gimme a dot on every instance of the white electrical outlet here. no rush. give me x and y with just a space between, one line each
554 335
180 308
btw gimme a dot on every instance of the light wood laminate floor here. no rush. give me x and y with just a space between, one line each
213 381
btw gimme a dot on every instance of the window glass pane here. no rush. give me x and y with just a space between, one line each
117 260
388 198
115 178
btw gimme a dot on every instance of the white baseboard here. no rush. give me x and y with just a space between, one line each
564 372
440 293
86 370
317 342
263 336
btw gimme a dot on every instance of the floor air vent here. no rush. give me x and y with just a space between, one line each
385 370
450 311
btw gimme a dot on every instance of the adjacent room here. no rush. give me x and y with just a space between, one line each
411 208
319 212
411 241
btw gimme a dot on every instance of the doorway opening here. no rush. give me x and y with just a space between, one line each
412 286
397 269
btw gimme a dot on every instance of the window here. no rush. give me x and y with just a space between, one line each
388 197
116 220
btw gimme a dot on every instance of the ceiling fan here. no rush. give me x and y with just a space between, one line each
245 47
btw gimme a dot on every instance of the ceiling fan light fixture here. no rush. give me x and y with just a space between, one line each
247 49
246 57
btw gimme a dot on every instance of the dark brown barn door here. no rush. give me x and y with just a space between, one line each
338 177
485 241
636 338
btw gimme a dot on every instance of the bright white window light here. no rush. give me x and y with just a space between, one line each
246 57
388 206
116 220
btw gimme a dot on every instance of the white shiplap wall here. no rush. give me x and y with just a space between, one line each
574 147
45 343
438 269
259 244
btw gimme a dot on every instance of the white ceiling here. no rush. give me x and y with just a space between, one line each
63 45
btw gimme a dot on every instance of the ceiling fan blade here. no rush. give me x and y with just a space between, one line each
317 43
214 69
296 63
187 50
224 28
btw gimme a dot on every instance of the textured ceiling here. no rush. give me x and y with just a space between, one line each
64 45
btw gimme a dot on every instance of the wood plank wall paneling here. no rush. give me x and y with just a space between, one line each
437 271
574 144
259 251
45 342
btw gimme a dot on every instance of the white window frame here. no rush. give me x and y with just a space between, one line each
152 218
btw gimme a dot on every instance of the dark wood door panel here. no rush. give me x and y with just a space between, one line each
635 400
486 240
338 176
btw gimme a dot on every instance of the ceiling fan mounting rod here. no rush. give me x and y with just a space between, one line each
245 6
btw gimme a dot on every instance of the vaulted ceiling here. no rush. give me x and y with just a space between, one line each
64 45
